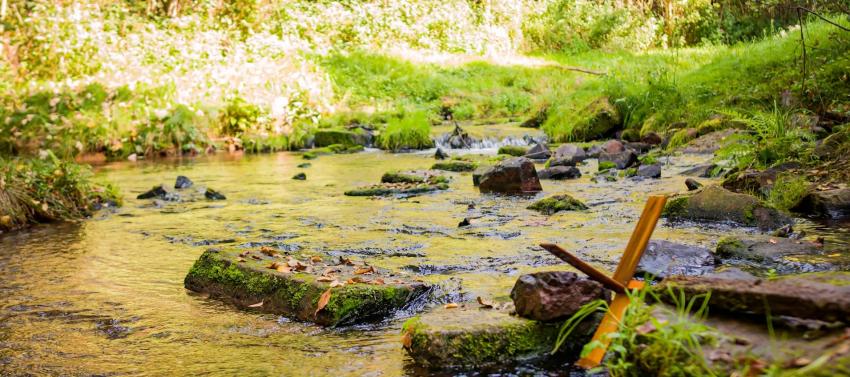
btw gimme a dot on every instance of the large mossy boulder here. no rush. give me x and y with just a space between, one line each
512 176
823 296
557 203
328 137
599 119
489 340
716 204
833 204
298 287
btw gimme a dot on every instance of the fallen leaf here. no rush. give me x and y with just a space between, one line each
324 299
273 266
773 241
450 306
268 251
798 362
407 340
5 220
325 279
484 304
315 259
336 283
284 268
257 257
355 280
240 260
377 281
257 305
244 253
345 261
330 271
364 270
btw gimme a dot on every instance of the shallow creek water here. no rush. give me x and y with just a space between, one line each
105 296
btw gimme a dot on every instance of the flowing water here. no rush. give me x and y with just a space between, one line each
105 296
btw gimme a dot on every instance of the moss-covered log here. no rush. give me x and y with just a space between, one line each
247 281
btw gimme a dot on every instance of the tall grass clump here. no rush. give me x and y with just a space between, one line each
787 191
49 189
411 131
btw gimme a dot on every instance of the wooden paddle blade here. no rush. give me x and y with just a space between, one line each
640 238
610 323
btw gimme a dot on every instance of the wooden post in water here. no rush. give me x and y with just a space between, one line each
622 279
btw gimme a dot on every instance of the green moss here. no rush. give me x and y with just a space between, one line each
631 134
381 190
557 203
401 177
606 165
513 150
309 155
730 246
681 137
456 166
329 137
676 207
711 125
630 172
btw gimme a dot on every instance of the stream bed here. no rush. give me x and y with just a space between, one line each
105 296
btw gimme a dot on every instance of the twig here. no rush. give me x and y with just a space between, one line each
803 43
807 10
583 70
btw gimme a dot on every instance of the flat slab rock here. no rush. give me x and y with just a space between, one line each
266 281
834 204
662 259
716 204
784 255
489 339
823 296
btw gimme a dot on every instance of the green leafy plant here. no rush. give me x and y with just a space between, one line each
411 131
787 191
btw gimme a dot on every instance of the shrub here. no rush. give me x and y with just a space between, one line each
239 117
411 131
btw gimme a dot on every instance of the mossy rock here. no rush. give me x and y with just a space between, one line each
246 280
455 165
716 204
398 189
328 137
472 338
557 203
601 118
513 150
414 177
606 165
342 149
630 134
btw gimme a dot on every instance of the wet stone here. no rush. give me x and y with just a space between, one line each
488 340
568 155
823 296
783 255
559 173
716 204
455 166
440 154
692 184
159 192
649 171
512 176
183 182
267 281
214 195
620 160
304 165
834 204
664 258
397 189
300 176
554 295
701 171
538 152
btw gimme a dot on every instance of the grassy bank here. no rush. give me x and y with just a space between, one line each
35 191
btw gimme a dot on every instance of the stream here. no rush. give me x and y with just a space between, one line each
105 296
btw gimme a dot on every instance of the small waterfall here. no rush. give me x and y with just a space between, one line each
460 140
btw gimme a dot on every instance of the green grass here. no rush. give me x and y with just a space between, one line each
787 191
34 190
411 131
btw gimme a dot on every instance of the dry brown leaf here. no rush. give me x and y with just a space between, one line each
257 305
284 268
345 261
355 280
268 251
377 281
336 283
324 299
330 271
273 266
325 279
407 339
244 253
798 362
450 306
257 257
364 270
315 259
484 304
240 260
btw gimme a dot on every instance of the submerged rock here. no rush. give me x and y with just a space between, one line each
560 172
266 281
716 204
414 176
557 203
214 195
621 160
821 296
702 171
554 295
512 176
473 338
455 165
300 176
782 255
459 139
663 259
834 204
538 152
568 155
398 189
183 182
692 184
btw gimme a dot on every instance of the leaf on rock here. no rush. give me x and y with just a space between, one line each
324 299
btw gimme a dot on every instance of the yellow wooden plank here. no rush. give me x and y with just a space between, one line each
610 323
